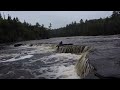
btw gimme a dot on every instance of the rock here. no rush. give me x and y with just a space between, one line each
106 77
31 44
17 45
68 44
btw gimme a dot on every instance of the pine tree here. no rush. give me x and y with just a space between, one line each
81 21
115 13
17 20
42 26
37 24
14 19
50 26
1 17
9 17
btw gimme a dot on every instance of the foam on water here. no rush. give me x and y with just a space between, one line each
59 72
7 55
39 49
60 57
16 59
67 72
59 66
25 51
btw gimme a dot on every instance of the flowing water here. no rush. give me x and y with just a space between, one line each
41 61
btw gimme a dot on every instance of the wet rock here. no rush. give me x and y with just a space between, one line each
106 77
42 78
106 61
21 77
31 45
17 45
91 75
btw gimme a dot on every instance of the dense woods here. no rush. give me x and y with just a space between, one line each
12 30
106 26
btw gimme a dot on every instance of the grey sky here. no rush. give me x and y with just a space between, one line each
57 18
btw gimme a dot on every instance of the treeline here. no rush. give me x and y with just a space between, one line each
107 26
12 30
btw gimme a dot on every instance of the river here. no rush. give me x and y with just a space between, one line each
37 59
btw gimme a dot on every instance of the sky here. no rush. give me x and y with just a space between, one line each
56 18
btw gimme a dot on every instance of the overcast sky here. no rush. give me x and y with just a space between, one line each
57 18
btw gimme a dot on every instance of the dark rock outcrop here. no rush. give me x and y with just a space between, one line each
17 45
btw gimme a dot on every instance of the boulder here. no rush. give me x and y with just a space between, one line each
17 45
31 44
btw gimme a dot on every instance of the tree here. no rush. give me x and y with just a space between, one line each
42 26
9 17
75 22
0 16
17 20
115 13
14 30
50 26
86 21
37 24
72 22
81 21
14 19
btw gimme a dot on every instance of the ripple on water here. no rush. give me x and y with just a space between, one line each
18 58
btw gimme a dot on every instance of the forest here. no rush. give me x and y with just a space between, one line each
13 30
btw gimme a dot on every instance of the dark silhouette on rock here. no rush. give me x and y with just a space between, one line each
61 43
68 44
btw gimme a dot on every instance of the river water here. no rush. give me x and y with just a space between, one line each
41 61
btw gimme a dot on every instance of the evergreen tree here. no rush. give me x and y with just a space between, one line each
50 26
81 21
0 16
12 30
17 20
9 17
37 24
